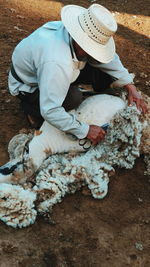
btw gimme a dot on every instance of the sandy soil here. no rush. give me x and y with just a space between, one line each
82 231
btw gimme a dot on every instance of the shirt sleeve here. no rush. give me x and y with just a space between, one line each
54 81
115 69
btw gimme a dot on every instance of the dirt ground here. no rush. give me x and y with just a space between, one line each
83 231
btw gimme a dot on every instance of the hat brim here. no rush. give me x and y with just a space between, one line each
102 53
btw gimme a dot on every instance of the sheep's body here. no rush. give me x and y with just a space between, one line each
96 110
60 174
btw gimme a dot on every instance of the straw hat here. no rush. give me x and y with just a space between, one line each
92 29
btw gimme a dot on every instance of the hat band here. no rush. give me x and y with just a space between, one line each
95 31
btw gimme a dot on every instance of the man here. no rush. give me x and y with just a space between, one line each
48 64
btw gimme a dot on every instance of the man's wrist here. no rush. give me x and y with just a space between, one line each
130 87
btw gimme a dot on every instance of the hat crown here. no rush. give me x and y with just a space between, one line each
98 23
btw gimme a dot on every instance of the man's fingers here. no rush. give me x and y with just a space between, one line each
139 103
135 97
130 100
144 108
94 142
96 134
99 138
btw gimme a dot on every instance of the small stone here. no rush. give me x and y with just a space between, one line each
143 75
146 221
8 101
140 199
139 246
3 91
18 29
20 17
147 83
12 10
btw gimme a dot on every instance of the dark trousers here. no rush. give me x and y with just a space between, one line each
99 81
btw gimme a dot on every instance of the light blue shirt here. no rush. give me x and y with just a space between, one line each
44 60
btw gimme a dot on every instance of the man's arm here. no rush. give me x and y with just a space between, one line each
115 69
54 82
122 78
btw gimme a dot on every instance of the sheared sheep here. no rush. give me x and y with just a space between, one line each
58 173
98 110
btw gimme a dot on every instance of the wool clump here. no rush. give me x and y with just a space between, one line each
17 205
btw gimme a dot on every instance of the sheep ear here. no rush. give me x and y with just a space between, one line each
9 167
7 170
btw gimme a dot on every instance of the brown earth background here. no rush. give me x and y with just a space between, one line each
82 231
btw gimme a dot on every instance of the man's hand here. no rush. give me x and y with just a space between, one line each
95 134
134 96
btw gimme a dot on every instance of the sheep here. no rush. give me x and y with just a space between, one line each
49 140
59 164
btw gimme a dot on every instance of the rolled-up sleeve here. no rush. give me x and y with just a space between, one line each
115 69
54 82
